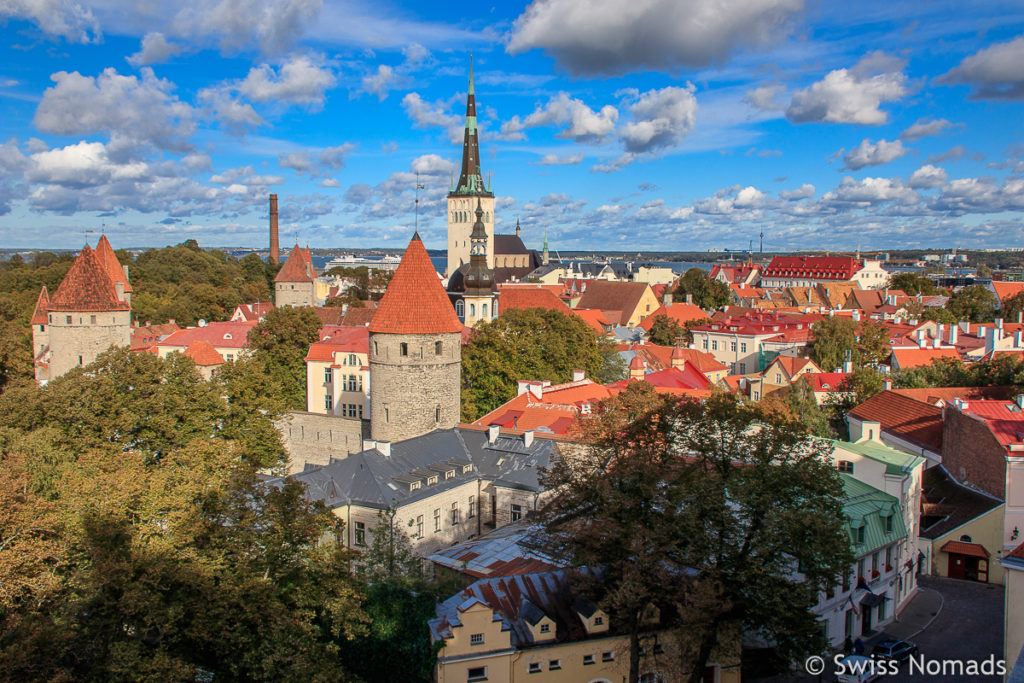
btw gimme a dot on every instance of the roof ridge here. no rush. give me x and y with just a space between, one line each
87 287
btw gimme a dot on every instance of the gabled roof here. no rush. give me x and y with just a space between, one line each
221 335
346 316
904 417
253 312
509 244
913 358
609 295
1006 290
39 315
824 382
415 302
933 395
298 267
681 313
792 365
355 339
502 552
523 297
203 353
814 267
1004 418
145 337
945 504
87 287
105 253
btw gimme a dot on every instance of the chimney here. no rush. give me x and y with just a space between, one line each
578 375
1018 339
952 334
965 327
528 438
856 314
384 448
522 386
848 366
667 299
170 321
537 389
492 433
920 339
999 323
937 342
886 384
125 269
991 336
689 298
275 251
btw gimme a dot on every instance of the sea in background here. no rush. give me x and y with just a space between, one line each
441 262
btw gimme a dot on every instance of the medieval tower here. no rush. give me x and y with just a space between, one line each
295 283
415 353
480 298
468 194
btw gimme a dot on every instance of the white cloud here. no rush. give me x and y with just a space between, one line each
334 157
301 79
236 116
296 161
65 18
925 127
661 119
768 97
852 95
613 37
155 49
136 109
379 83
582 124
730 199
308 161
993 73
273 26
871 191
805 191
434 165
927 176
415 53
82 165
556 160
868 153
432 114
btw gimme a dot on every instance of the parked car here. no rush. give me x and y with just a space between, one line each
895 650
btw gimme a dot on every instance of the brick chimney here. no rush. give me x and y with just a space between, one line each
275 250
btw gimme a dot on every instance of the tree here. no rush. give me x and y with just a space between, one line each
665 331
534 344
873 342
707 293
800 401
280 341
1013 307
913 284
704 509
975 303
390 558
835 341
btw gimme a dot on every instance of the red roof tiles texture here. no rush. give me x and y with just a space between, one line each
814 267
108 258
681 313
961 548
203 353
298 267
87 287
904 416
415 302
529 297
230 334
39 315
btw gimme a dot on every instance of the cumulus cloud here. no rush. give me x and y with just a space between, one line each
955 153
868 153
273 26
614 37
307 161
927 176
768 97
805 191
730 199
434 165
852 95
301 79
142 109
661 119
925 127
980 195
556 160
581 123
871 191
300 162
432 114
379 83
334 157
155 49
64 18
992 73
234 115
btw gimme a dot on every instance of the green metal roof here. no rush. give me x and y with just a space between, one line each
865 505
896 462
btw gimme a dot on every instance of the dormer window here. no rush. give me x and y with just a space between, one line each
227 335
467 468
545 628
450 474
846 467
431 480
414 485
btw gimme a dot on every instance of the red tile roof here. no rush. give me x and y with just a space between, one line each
793 365
1006 290
1017 553
734 274
1004 418
415 302
593 317
961 548
108 258
815 267
933 395
823 382
681 313
254 311
298 267
203 353
146 336
39 315
529 297
87 287
339 340
904 417
914 358
221 335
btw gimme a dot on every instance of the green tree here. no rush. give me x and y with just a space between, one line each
913 284
800 401
704 509
280 342
835 341
707 293
873 342
975 303
1013 307
390 558
939 315
665 331
530 344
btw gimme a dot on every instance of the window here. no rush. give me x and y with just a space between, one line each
450 474
757 395
732 346
965 538
888 525
437 414
476 639
598 621
888 558
743 347
846 466
555 665
375 351
860 568
92 319
80 360
68 319
588 660
351 381
460 309
437 348
608 656
743 368
419 526
352 359
478 673
431 480
860 535
403 349
455 513
437 519
352 409
229 356
517 512
328 375
778 378
386 414
874 563
472 507
535 667
545 628
472 310
704 344
360 533
328 402
714 345
483 310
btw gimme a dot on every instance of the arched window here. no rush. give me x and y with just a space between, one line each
472 310
352 359
966 539
403 349
460 309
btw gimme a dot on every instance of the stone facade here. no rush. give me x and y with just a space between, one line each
416 384
315 439
77 338
295 294
461 217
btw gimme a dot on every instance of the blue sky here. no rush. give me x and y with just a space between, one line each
620 125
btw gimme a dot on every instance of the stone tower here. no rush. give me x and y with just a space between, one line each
480 300
468 194
415 353
295 284
87 315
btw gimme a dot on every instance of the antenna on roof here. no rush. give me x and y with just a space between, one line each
87 235
418 188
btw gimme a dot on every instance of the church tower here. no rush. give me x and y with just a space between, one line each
480 300
415 353
468 194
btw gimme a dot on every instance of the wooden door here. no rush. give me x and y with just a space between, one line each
957 567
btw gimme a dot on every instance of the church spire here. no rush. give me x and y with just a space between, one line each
471 181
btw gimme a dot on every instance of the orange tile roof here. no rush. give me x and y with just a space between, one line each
913 358
1006 290
613 295
39 315
961 548
415 302
254 311
298 267
904 416
354 339
108 258
146 336
593 317
87 287
203 353
529 297
681 313
228 334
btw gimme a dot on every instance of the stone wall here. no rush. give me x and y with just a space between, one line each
294 294
87 335
315 439
417 391
971 453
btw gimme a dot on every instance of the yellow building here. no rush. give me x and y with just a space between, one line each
338 373
532 627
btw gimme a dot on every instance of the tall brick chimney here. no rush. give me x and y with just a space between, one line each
275 250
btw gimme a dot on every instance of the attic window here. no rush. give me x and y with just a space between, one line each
545 628
431 480
227 335
846 466
449 474
414 485
467 468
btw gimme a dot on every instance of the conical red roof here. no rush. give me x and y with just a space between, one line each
415 302
298 267
87 287
105 253
39 316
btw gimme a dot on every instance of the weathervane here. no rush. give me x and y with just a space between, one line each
418 188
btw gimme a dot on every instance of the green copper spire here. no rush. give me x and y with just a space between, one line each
471 181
